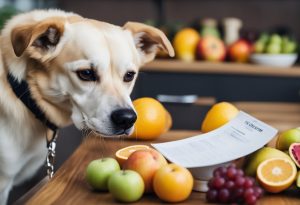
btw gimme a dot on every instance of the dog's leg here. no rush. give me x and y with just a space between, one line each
6 184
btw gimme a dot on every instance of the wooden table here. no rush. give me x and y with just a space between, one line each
69 187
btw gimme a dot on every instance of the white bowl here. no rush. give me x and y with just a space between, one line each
274 60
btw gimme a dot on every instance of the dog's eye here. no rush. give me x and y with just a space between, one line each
129 76
87 75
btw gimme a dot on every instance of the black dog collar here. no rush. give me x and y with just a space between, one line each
22 91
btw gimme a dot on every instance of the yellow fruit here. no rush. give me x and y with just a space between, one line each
286 138
172 183
123 154
298 179
276 175
169 121
152 119
185 43
261 155
218 115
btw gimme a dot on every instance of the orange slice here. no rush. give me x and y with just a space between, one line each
123 154
276 174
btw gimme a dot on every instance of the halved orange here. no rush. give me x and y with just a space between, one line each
276 174
123 154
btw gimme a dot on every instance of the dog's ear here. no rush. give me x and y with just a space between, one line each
42 36
148 40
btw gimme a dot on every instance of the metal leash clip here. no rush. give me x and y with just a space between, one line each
51 156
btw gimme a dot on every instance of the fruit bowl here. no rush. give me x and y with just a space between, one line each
274 60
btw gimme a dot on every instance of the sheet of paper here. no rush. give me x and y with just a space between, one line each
241 136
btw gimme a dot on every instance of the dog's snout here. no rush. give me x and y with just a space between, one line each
123 118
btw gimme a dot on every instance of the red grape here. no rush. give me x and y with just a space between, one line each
229 184
217 173
223 195
239 181
240 173
250 199
231 172
248 191
238 193
212 195
248 183
222 170
218 182
258 191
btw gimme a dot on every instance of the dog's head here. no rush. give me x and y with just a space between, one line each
86 69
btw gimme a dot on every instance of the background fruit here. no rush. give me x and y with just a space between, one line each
294 152
211 48
261 155
286 138
260 44
240 51
123 154
173 183
209 27
218 115
275 44
98 171
146 163
276 174
126 186
152 119
185 42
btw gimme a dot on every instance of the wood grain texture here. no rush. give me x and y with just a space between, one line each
220 68
69 187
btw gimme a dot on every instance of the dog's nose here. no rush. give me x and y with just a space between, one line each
123 118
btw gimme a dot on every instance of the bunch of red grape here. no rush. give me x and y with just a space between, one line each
230 185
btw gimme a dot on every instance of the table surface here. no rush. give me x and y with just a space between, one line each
69 186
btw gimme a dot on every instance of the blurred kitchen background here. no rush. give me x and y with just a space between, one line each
188 86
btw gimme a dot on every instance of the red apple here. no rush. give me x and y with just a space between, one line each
211 48
146 163
240 51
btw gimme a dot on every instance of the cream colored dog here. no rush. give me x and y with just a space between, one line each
77 70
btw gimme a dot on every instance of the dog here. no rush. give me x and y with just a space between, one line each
58 68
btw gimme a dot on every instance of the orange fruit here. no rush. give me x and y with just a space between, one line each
185 43
169 121
218 115
123 154
172 183
152 119
276 174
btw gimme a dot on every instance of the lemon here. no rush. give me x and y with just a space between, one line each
218 115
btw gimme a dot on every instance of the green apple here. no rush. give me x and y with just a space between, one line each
275 39
289 46
264 38
273 48
259 47
126 185
98 172
286 138
261 155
